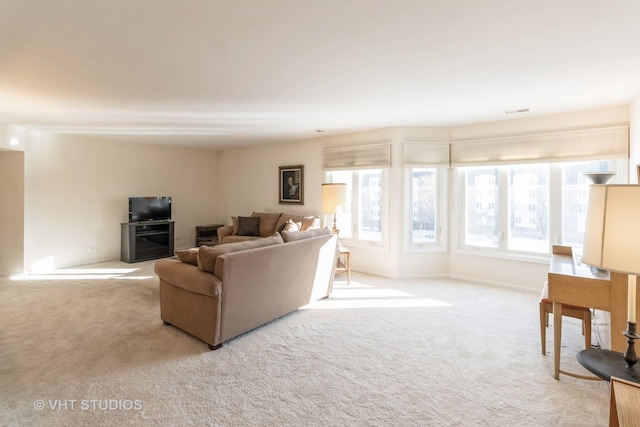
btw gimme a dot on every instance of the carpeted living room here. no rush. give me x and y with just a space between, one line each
377 352
463 139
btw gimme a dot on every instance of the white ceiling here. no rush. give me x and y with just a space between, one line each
222 73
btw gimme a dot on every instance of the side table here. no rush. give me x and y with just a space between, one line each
207 234
343 264
607 364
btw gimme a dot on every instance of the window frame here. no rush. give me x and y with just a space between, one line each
355 239
441 242
555 210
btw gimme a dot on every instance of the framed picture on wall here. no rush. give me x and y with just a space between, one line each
291 184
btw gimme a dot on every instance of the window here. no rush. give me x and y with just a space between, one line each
425 199
528 229
423 205
364 169
365 219
426 167
481 219
575 196
508 208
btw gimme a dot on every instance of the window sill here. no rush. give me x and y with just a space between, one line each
511 256
363 244
425 249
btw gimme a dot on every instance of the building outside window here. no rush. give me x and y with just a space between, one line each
364 220
425 209
509 209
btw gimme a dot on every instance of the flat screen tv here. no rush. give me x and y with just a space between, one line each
149 208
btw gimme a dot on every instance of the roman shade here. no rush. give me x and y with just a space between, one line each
358 157
425 154
587 144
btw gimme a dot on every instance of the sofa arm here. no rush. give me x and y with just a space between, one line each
188 277
224 231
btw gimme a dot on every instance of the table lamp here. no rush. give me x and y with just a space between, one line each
334 199
612 242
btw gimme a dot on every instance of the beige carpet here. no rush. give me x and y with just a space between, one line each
87 347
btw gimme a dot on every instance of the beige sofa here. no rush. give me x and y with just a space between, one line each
262 224
236 287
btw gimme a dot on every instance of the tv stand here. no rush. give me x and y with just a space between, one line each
145 240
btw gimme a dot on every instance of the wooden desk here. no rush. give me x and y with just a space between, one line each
574 283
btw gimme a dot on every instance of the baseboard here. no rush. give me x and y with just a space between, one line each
435 276
494 283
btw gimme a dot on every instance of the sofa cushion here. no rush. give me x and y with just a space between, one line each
235 239
207 254
292 236
268 222
248 226
274 239
189 256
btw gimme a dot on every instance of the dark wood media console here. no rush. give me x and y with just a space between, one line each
146 240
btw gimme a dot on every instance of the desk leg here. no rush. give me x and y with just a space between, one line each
557 338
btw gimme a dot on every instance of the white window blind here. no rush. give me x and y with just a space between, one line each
601 143
358 157
426 154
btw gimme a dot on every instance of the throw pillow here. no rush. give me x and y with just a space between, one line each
310 223
284 218
248 226
289 236
292 226
268 222
189 256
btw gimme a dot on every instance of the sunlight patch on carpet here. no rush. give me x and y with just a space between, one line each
362 296
81 274
331 303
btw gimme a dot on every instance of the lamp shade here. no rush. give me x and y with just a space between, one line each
334 197
612 231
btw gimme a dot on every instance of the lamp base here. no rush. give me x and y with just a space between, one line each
630 353
335 229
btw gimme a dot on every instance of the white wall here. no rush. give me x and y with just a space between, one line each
249 179
4 136
12 196
567 121
12 211
634 139
77 189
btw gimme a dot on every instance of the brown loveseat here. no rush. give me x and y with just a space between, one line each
262 224
236 287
